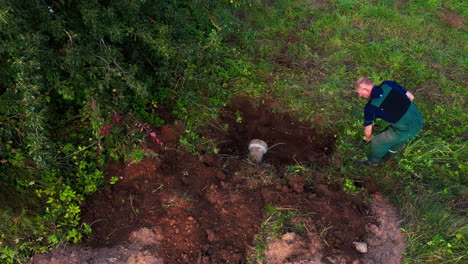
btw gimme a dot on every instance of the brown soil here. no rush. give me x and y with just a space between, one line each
182 208
289 141
453 19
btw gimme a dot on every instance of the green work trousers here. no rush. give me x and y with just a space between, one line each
386 144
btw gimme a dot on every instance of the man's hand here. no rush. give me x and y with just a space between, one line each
368 133
410 96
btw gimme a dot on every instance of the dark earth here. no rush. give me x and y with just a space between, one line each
210 208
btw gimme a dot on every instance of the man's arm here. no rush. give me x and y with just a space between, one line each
368 133
410 95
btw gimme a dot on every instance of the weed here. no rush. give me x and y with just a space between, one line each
189 141
296 169
257 177
238 117
114 180
349 186
277 221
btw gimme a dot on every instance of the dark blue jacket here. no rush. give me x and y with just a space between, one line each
388 101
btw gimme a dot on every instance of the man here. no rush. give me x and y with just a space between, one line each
393 103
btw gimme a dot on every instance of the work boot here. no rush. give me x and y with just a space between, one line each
366 163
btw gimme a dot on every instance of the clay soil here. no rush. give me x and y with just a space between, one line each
210 208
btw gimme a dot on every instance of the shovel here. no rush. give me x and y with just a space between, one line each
354 151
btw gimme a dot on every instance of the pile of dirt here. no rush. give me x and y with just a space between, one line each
182 208
142 248
384 242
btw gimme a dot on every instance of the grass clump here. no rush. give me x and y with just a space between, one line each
277 221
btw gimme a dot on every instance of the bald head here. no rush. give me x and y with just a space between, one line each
363 82
364 87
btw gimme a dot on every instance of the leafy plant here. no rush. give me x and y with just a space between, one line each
114 180
349 186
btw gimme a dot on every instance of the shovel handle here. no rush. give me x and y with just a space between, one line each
353 152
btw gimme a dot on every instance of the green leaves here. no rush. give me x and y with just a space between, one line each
64 65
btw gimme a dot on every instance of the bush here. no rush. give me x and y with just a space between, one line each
68 68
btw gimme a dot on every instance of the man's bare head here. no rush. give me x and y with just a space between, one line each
364 87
